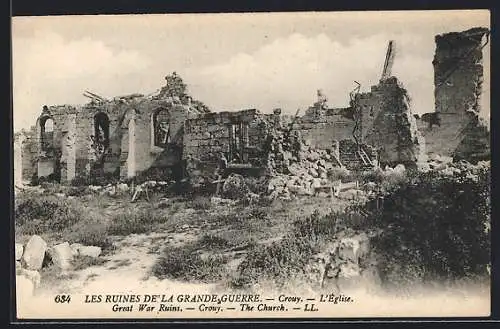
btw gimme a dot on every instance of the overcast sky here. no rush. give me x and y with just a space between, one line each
229 61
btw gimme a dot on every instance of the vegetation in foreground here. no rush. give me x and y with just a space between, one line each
433 227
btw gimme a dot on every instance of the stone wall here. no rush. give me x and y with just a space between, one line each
322 128
387 124
73 152
458 77
207 136
383 118
24 156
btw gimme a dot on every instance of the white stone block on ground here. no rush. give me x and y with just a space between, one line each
34 252
75 247
62 255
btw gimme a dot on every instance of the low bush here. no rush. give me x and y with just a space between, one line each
78 191
277 262
433 228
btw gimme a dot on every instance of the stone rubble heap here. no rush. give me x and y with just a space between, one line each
32 257
341 262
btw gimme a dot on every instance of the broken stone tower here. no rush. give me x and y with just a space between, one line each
454 128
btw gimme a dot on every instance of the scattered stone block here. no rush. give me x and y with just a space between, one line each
75 248
62 255
34 252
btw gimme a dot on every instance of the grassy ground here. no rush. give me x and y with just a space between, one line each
192 239
207 243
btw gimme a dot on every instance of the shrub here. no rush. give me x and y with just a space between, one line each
287 257
154 174
433 228
97 177
80 181
235 187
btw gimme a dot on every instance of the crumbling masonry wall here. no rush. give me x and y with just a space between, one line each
73 152
207 136
323 128
387 124
458 77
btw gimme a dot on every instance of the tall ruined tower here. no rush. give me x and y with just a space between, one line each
455 128
458 71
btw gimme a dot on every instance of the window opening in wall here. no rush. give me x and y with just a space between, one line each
161 128
238 135
47 134
101 132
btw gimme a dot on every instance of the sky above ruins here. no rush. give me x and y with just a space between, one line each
229 61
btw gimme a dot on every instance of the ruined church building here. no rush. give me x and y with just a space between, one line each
129 135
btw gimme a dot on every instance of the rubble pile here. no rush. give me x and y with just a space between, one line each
342 262
37 254
298 168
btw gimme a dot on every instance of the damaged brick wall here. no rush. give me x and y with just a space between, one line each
458 77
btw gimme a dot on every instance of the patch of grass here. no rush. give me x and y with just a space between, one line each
38 214
201 203
251 218
277 262
287 257
135 221
122 263
51 276
213 242
78 191
92 233
81 262
186 263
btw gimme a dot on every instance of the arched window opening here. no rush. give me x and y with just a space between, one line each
101 131
161 128
47 133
